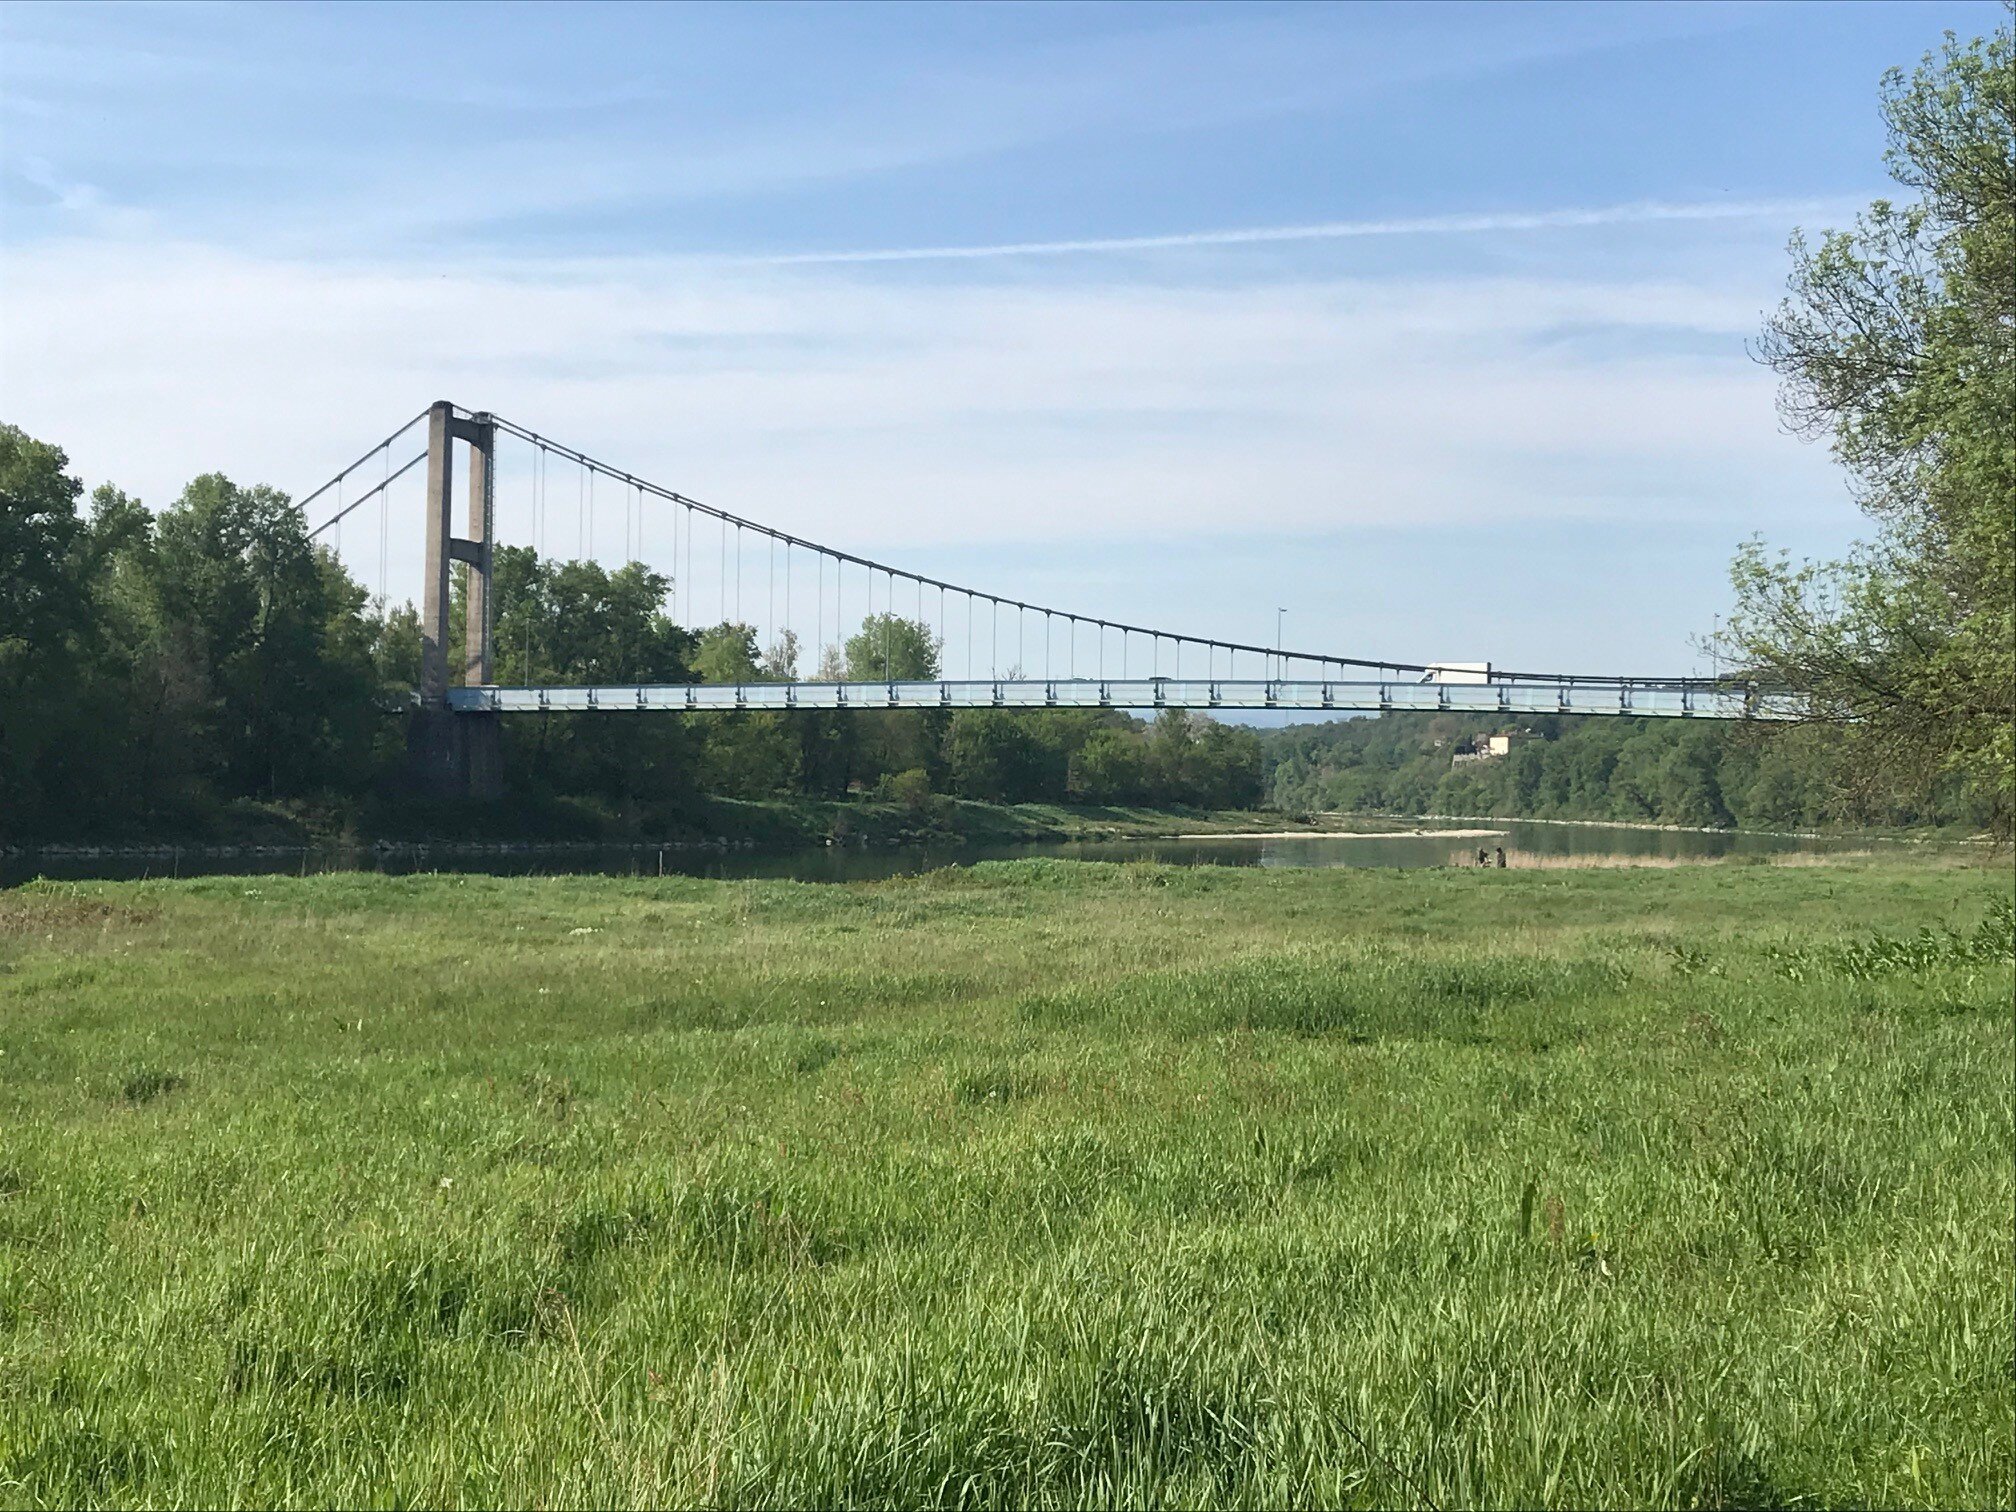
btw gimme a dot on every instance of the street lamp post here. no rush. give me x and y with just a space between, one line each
1280 661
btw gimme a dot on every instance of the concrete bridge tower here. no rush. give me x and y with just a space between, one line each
457 754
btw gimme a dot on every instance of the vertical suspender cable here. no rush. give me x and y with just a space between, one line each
524 676
384 529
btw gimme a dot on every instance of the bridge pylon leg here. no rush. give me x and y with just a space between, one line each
477 553
451 754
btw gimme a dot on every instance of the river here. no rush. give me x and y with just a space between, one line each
1525 844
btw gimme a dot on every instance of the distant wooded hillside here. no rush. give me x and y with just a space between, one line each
1663 771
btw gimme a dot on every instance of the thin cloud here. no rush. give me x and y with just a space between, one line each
1426 225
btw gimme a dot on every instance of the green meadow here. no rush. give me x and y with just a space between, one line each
1029 1184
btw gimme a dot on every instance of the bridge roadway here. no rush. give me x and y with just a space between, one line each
1679 699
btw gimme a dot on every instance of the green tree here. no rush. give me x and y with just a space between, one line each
988 755
561 622
1112 766
1168 753
889 648
748 753
1898 343
42 613
1776 797
74 723
726 653
1688 791
273 628
1228 769
911 788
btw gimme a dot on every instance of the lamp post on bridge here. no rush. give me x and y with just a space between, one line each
1280 640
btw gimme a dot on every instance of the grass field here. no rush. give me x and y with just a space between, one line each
1035 1183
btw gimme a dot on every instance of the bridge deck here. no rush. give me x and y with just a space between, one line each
1652 699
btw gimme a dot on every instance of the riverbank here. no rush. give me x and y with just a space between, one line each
531 827
1927 835
1061 1184
1396 833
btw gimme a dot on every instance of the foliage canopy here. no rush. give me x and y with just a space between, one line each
1897 342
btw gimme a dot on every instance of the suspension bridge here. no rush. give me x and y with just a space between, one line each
963 648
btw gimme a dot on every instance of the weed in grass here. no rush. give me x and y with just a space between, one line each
145 1085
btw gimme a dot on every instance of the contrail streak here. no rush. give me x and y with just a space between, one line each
1425 225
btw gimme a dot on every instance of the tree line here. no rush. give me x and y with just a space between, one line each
159 671
1657 771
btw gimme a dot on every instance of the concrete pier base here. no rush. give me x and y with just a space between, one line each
450 755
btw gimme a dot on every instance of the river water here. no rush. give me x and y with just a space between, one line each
1525 844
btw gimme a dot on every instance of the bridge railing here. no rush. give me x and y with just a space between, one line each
1680 699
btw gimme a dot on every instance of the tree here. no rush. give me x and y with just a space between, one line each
780 657
910 787
1775 797
272 628
1898 342
42 612
577 622
1227 767
38 528
1688 791
53 763
1110 767
726 653
889 648
988 755
1168 754
748 753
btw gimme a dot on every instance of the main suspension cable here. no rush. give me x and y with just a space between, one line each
840 557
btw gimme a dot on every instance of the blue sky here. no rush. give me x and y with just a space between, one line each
1425 322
